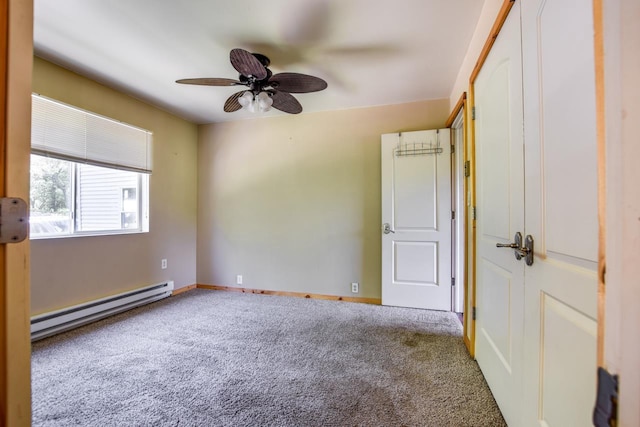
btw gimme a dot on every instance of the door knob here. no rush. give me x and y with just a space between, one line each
386 228
516 245
508 245
520 251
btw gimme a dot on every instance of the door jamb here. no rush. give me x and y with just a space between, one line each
459 112
16 50
601 143
4 56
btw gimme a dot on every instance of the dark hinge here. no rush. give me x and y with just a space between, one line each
473 313
473 213
473 113
453 281
453 214
605 412
453 148
467 168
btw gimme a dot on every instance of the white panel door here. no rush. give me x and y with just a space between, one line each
500 215
416 208
561 212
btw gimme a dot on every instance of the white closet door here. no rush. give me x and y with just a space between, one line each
561 212
500 215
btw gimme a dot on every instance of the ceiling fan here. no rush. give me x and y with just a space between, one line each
266 89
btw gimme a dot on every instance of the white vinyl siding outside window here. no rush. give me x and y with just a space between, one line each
89 174
107 199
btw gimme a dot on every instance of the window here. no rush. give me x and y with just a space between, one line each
89 174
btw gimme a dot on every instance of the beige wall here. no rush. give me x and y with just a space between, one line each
292 203
68 271
488 15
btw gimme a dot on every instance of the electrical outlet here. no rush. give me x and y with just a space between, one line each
239 279
354 287
164 264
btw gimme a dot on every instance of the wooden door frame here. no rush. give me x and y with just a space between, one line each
468 325
600 131
4 56
15 346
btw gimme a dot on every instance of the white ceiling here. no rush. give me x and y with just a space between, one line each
371 52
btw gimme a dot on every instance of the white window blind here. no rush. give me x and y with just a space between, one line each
68 133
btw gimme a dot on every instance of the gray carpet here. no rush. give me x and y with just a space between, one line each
211 358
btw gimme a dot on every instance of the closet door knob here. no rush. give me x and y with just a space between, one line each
386 228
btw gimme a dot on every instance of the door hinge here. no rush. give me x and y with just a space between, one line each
453 148
453 214
606 411
467 168
474 215
473 113
473 313
453 281
14 220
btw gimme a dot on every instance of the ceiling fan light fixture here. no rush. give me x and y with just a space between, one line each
266 90
255 103
246 99
264 102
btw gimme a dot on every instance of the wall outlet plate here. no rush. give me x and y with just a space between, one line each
163 264
354 287
239 279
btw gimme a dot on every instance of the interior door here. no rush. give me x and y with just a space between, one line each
416 216
561 212
499 216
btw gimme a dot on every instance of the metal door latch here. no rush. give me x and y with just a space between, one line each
14 220
520 251
517 243
527 250
386 228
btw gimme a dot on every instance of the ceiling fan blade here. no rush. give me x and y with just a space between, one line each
247 64
210 82
297 83
232 104
286 102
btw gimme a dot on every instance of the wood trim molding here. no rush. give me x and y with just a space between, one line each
4 351
183 290
471 222
467 321
598 27
17 53
493 35
456 110
375 301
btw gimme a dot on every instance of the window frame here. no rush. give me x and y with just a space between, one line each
54 117
142 181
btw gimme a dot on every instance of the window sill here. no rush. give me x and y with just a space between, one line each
89 234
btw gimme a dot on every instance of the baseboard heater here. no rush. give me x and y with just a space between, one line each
54 322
